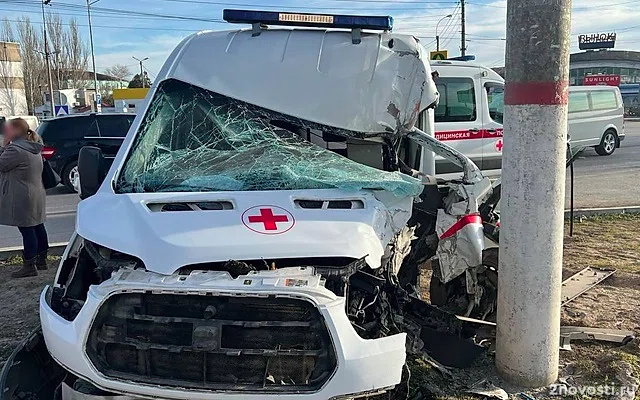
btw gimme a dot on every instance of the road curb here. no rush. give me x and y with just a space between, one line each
59 213
55 249
590 212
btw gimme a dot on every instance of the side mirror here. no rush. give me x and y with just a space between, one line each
91 168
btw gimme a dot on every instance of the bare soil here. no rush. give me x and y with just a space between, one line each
19 300
611 242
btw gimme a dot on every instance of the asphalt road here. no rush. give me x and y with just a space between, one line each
61 219
609 181
599 182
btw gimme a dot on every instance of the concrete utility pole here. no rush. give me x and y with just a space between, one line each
463 31
141 69
47 57
533 177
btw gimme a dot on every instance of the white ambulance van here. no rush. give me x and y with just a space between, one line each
469 114
229 253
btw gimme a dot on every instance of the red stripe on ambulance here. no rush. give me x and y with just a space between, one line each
468 134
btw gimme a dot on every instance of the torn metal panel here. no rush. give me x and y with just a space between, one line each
471 172
583 281
462 250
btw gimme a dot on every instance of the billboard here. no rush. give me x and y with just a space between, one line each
609 80
596 41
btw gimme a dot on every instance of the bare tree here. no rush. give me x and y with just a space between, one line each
6 32
76 54
119 71
70 53
33 65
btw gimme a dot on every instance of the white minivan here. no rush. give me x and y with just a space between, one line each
469 115
596 118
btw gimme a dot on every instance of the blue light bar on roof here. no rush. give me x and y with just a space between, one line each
377 23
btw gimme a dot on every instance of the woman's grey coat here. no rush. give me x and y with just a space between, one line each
22 196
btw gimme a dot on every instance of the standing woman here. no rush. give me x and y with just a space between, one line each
22 200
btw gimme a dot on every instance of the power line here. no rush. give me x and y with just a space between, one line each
111 26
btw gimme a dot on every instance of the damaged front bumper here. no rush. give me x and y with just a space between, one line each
356 366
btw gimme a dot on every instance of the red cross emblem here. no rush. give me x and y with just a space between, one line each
499 145
268 220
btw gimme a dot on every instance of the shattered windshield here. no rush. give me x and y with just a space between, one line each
192 139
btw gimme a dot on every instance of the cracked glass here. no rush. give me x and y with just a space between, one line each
192 139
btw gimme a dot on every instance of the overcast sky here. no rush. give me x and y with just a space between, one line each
151 28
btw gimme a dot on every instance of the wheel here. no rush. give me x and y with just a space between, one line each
608 143
70 177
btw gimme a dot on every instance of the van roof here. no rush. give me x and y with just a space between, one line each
592 88
317 75
443 65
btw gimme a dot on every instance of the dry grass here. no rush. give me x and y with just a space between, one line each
608 242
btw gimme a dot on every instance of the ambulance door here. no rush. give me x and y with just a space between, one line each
492 116
458 122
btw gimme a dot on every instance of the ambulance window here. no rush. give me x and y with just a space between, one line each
457 100
578 102
495 99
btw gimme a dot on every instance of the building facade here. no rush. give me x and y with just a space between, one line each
625 64
13 100
609 67
129 100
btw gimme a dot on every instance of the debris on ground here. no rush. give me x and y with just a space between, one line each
583 281
569 333
485 388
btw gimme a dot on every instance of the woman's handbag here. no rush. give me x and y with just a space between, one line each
49 177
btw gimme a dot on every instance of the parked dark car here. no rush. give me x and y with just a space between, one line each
64 137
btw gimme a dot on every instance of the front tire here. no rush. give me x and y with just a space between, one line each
608 143
69 175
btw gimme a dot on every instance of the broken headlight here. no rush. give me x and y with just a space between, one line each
87 264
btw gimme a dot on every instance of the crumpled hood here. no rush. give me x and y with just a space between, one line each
31 147
246 225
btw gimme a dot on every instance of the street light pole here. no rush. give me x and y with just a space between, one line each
437 36
141 69
93 56
46 56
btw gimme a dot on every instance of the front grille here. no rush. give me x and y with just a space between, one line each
212 342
